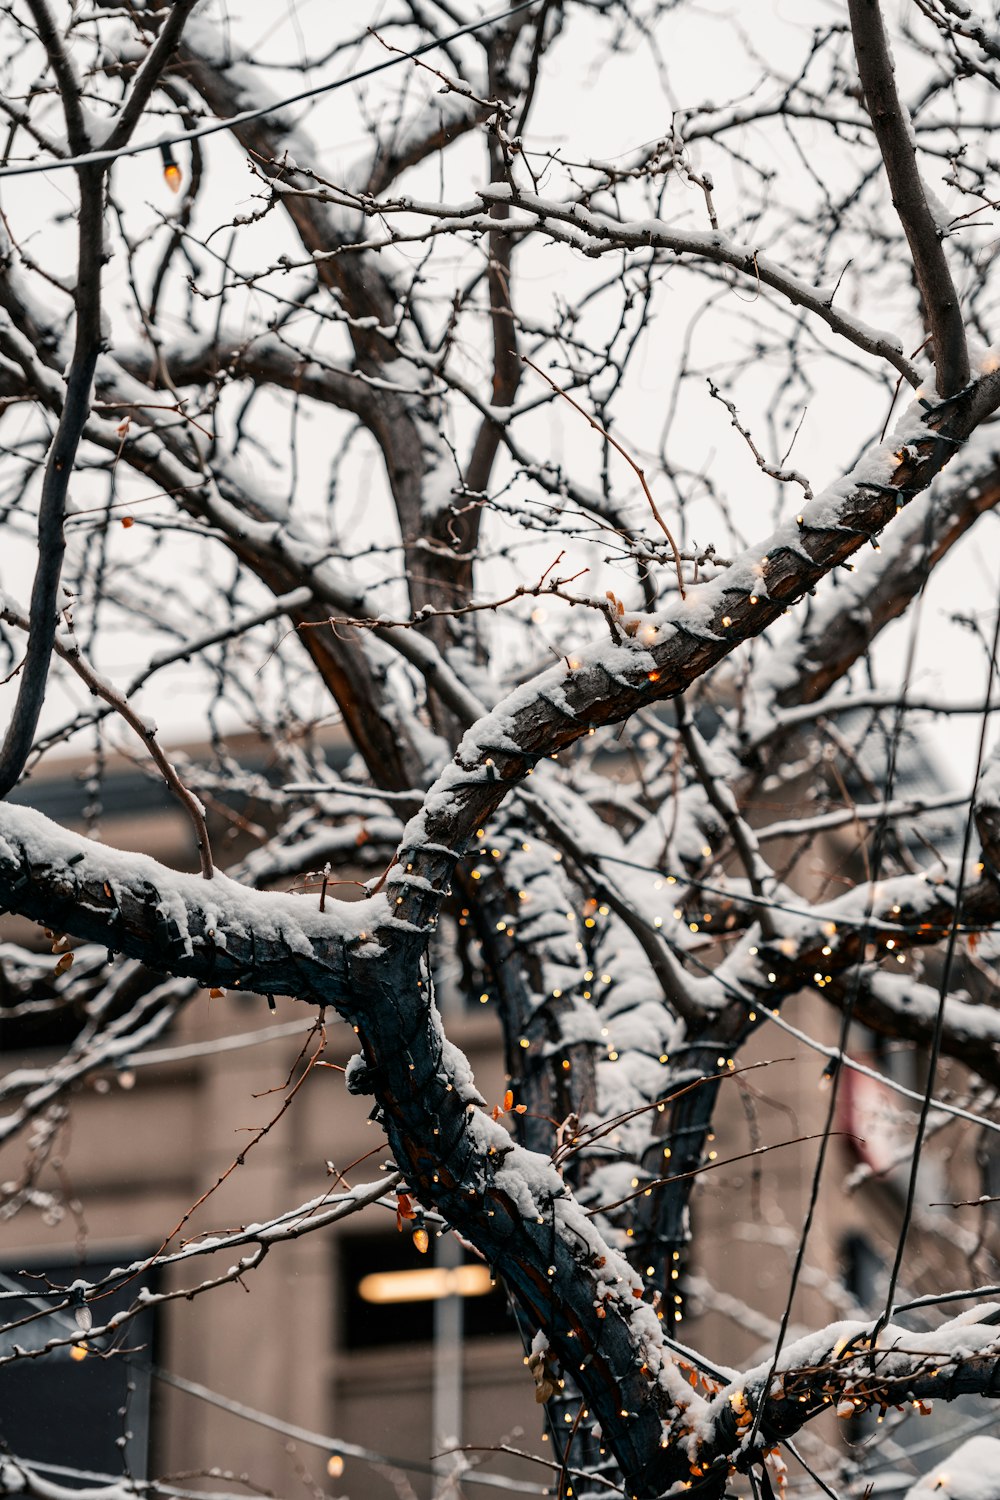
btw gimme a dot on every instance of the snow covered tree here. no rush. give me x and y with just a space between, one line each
422 411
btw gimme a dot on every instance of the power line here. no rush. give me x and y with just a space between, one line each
936 1040
97 158
333 1445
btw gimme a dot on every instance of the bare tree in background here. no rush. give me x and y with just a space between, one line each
411 428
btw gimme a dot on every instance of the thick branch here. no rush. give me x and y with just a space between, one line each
851 617
76 409
283 561
613 680
506 365
362 959
448 119
76 405
598 234
846 1374
265 360
149 74
897 1007
894 134
217 932
419 466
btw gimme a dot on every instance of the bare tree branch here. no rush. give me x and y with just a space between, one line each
891 125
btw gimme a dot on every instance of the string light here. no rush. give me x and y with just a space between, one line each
828 928
171 171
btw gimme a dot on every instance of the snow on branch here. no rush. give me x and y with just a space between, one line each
215 931
608 682
841 1369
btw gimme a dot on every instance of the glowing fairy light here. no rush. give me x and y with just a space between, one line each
171 171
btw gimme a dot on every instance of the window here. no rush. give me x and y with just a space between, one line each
389 1293
73 1407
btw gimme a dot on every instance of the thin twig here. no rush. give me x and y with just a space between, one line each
894 133
711 1166
775 471
592 421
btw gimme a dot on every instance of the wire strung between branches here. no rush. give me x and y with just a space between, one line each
949 958
97 158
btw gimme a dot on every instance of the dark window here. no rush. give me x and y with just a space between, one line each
73 1407
32 1014
382 1303
863 1268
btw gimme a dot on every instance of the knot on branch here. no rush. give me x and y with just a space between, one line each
358 1076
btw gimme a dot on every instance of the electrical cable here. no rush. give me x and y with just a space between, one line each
164 142
949 958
